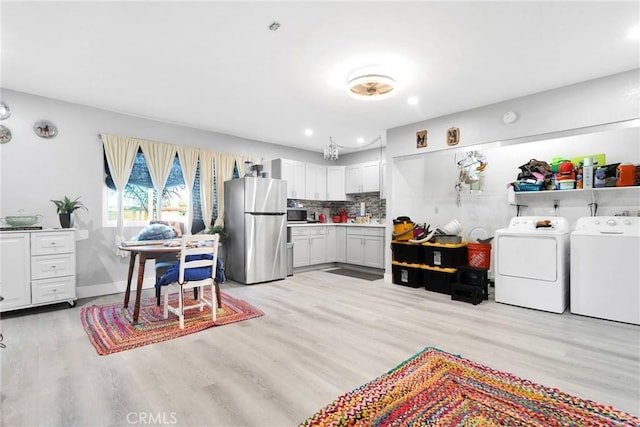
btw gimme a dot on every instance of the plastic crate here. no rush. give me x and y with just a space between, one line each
445 255
407 274
438 279
410 253
467 293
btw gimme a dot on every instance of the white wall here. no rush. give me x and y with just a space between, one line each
422 180
34 170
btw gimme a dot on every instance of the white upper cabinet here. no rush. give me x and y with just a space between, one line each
316 182
294 173
336 183
362 177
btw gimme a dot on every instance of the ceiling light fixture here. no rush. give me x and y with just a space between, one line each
371 86
634 33
370 83
308 132
413 100
331 149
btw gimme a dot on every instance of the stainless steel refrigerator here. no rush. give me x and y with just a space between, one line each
256 221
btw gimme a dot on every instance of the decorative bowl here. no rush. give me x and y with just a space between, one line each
21 220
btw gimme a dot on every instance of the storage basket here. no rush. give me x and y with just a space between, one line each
521 186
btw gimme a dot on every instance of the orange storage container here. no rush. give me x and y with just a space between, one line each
479 255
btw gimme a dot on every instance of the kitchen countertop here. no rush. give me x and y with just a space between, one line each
340 224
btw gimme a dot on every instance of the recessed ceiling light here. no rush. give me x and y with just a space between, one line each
308 132
360 140
413 100
634 33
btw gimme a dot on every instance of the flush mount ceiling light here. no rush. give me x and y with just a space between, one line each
370 83
371 86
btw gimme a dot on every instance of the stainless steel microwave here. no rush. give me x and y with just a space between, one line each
296 215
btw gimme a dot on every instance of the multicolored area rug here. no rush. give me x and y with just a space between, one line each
110 329
435 388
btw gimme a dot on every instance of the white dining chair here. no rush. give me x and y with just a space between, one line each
198 261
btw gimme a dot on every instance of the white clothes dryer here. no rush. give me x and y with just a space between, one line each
605 270
532 263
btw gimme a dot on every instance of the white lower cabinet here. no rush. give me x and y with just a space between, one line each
309 245
341 244
37 268
365 246
351 244
331 243
14 270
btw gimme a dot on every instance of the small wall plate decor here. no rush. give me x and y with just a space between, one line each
421 139
453 136
45 129
5 134
5 111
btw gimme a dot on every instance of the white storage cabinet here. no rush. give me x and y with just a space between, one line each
365 246
336 183
294 173
362 177
316 182
37 268
309 245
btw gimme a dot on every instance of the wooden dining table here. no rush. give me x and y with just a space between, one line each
143 252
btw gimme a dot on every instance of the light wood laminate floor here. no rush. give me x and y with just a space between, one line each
322 335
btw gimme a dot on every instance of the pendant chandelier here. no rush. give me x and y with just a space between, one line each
331 149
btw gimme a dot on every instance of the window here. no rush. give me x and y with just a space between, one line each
140 198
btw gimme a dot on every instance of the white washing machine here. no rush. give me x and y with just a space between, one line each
532 263
605 270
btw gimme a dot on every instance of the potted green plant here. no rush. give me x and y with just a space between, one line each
218 229
66 207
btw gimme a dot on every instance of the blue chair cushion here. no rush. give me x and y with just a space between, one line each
199 273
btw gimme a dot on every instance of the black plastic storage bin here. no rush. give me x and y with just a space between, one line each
438 279
409 253
407 274
445 255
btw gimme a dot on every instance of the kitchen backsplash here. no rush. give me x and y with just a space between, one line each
373 204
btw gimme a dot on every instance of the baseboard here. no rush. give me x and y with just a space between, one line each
111 288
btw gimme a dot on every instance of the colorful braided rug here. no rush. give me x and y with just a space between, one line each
110 329
435 388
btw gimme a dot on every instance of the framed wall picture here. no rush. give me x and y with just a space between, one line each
421 139
453 136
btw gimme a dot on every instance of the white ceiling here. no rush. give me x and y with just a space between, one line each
217 66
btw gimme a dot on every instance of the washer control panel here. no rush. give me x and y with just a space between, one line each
627 225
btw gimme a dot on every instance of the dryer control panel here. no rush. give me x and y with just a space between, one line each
555 223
